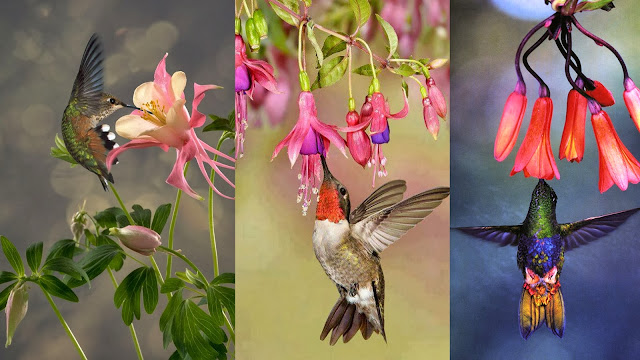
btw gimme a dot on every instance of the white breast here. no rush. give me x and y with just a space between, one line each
327 235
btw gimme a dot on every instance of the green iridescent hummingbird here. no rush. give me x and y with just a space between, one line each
86 140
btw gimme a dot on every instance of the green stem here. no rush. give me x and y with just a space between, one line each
302 25
425 69
196 291
134 336
232 333
246 8
184 258
172 226
124 208
349 76
373 68
157 269
212 233
64 323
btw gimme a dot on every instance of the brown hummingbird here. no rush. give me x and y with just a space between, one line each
87 142
348 246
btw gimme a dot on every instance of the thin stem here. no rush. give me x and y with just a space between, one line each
543 85
373 68
286 9
600 41
566 66
134 336
300 67
179 255
246 8
232 333
172 225
416 80
157 269
196 291
64 323
212 233
349 73
124 208
524 42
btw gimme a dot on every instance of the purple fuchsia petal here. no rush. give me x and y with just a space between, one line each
243 80
381 137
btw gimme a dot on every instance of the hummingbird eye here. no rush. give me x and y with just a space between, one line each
343 191
112 101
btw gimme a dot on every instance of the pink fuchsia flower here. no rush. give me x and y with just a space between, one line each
163 121
437 99
632 100
16 309
140 239
535 157
358 141
572 143
430 117
309 138
617 165
248 73
510 122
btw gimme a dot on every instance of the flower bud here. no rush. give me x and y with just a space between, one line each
252 34
260 23
437 63
430 117
137 238
437 99
358 142
17 305
78 224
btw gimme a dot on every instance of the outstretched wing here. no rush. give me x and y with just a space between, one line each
87 89
384 197
501 235
587 230
383 228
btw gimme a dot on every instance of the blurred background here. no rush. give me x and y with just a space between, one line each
42 46
284 296
598 280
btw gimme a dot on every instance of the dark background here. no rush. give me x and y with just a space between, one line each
41 47
599 281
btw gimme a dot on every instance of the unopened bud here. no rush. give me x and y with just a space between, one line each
137 238
252 34
17 305
260 23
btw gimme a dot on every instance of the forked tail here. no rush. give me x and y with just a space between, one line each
345 319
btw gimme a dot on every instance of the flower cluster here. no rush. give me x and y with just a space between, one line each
535 156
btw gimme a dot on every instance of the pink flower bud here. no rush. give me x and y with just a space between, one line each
430 118
16 309
358 142
632 100
137 238
437 99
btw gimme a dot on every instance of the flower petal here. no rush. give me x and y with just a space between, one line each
176 178
133 144
144 93
198 118
178 83
132 126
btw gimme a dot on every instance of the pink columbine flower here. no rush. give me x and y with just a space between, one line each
309 138
248 73
140 239
632 100
163 121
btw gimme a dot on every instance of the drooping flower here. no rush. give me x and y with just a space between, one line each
510 122
406 19
535 157
430 117
617 165
358 141
270 105
632 100
249 72
437 99
16 309
601 94
164 121
572 143
140 239
309 138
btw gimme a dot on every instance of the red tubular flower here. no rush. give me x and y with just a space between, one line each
535 156
572 143
617 165
437 99
510 122
632 100
601 94
358 141
430 118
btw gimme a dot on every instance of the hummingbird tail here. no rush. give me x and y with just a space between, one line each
346 319
535 308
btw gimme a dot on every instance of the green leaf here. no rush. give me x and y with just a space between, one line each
196 279
108 218
405 88
160 218
171 284
366 70
193 331
220 124
91 238
34 256
361 9
150 291
6 276
141 216
170 311
123 221
206 324
56 287
215 307
314 42
330 72
227 297
12 255
594 5
68 267
127 294
391 34
225 278
62 248
60 152
333 45
290 4
4 295
404 70
96 261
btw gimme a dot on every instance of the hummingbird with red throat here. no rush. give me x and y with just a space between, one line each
88 142
348 246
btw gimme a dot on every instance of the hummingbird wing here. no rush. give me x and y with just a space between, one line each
87 89
383 228
385 196
502 235
587 230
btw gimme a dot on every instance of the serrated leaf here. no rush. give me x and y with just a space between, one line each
56 287
60 152
160 218
290 4
7 276
96 261
141 216
365 70
66 266
392 37
12 255
150 291
108 218
314 42
333 45
225 278
34 256
404 70
331 71
171 284
4 295
62 248
361 10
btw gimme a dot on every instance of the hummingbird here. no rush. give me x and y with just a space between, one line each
348 246
87 141
542 243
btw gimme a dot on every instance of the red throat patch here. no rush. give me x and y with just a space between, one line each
329 204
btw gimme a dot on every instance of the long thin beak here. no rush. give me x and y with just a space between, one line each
327 173
131 106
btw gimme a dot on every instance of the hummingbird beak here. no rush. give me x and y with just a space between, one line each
327 173
131 106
